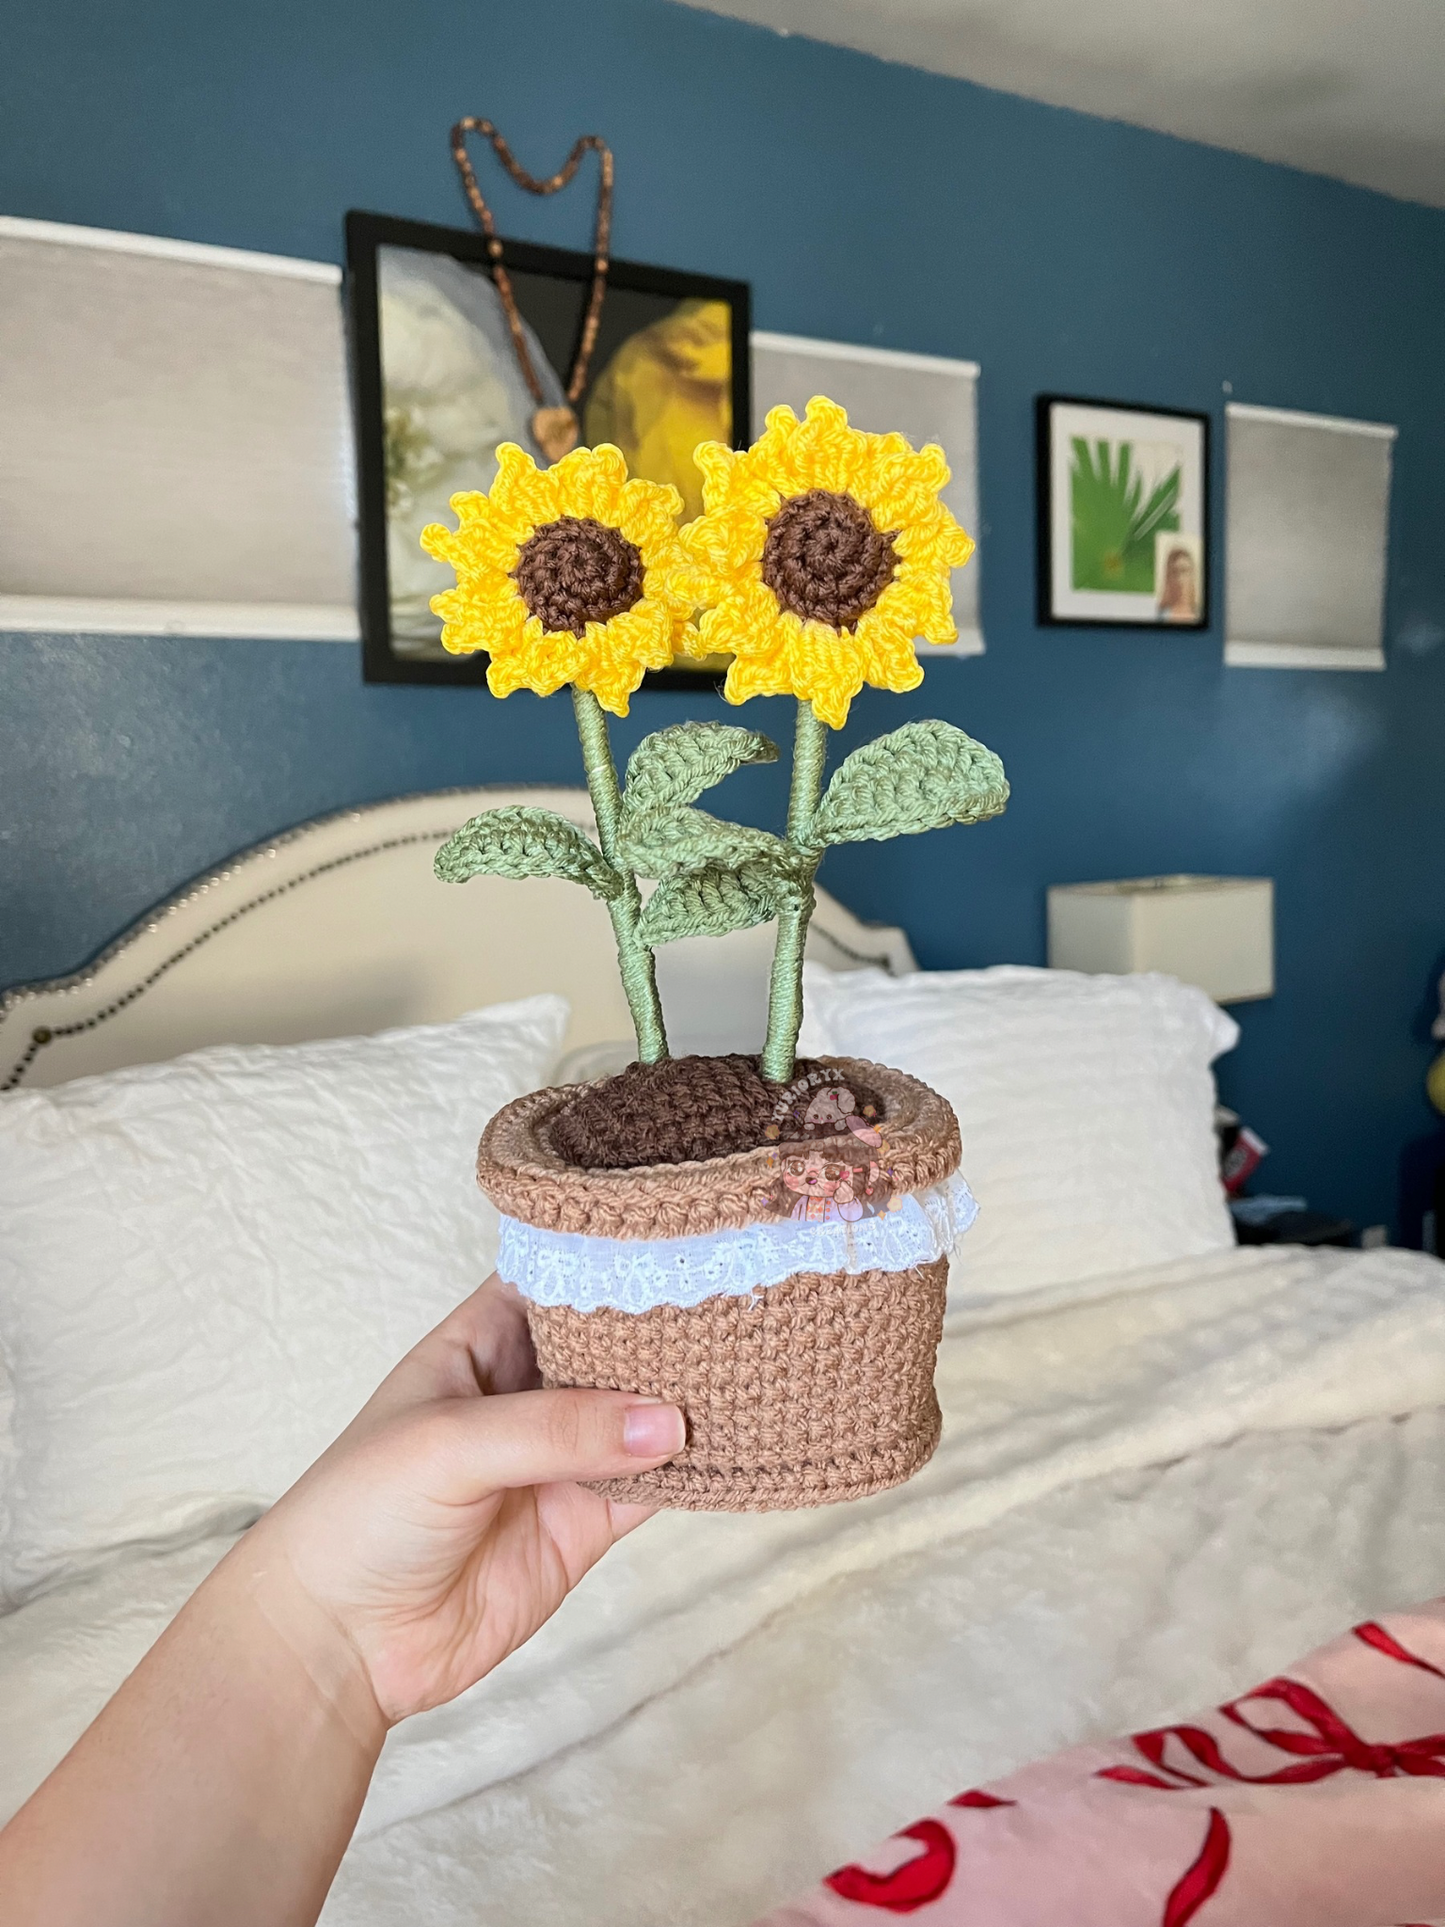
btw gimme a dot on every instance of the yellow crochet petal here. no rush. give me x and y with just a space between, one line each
933 541
887 654
748 622
480 547
523 496
826 453
716 465
827 671
747 677
475 617
778 463
646 513
903 485
539 660
920 605
694 587
646 634
720 631
885 459
733 481
728 540
589 481
612 683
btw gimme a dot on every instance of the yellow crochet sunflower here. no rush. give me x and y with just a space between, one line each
564 575
822 553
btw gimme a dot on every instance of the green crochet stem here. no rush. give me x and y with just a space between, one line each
785 992
639 979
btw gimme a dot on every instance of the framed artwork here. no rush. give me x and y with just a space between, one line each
437 385
1123 513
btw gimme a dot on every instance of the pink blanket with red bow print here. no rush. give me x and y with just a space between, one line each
1317 1800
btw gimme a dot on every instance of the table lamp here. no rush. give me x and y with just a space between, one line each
1217 932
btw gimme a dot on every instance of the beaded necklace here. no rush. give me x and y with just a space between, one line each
555 429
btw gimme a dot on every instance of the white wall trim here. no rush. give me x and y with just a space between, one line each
1298 418
259 621
854 351
99 616
202 254
1288 655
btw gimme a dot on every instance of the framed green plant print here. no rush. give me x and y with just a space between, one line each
1123 508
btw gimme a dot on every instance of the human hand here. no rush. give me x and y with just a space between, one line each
445 1525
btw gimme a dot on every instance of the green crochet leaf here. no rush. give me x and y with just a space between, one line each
522 842
713 900
921 777
660 843
673 767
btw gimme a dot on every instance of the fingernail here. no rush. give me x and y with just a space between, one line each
653 1431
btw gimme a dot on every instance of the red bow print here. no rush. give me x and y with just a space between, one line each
910 1886
919 1880
1331 1747
1203 1877
926 1877
1371 1633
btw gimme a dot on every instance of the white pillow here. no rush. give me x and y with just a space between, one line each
1086 1106
207 1265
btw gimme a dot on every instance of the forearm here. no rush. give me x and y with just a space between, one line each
220 1785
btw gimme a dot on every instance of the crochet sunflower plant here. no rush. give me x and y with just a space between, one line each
821 554
763 1242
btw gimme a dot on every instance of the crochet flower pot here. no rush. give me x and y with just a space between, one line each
788 1296
764 1242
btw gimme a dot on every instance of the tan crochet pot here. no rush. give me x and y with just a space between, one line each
810 1391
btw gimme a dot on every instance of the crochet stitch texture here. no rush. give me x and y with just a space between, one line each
526 1177
810 1390
681 1111
817 1390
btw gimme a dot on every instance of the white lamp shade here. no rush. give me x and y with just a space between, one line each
1217 932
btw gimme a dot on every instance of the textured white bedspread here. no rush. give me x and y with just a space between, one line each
1140 1503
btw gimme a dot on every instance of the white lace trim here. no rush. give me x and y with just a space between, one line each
634 1274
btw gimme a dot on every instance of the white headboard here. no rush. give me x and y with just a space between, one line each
340 927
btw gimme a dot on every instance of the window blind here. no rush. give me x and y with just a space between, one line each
1308 499
177 448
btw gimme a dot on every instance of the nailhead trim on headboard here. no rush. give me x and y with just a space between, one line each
47 1033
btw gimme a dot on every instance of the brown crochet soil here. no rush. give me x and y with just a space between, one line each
688 1109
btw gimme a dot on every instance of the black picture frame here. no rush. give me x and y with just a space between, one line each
1198 539
367 233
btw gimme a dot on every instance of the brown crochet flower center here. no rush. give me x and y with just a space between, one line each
577 570
825 559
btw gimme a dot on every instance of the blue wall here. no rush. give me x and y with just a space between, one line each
868 203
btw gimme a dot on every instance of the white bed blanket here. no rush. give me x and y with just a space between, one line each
1155 1367
1102 1608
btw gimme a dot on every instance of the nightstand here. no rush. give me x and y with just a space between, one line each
1296 1228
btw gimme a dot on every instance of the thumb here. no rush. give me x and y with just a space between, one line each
536 1438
